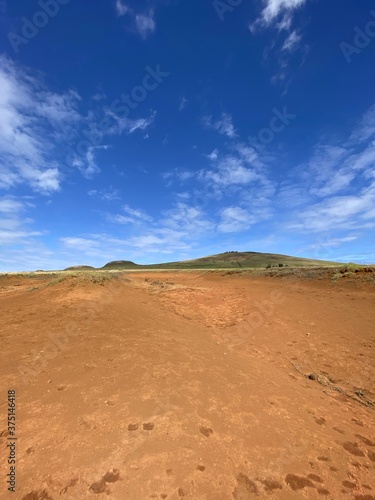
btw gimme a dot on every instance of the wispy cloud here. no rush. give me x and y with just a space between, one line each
121 8
137 213
278 14
230 170
292 42
339 183
223 125
129 125
273 9
235 219
143 22
30 115
86 163
183 103
105 194
340 212
187 219
366 128
14 225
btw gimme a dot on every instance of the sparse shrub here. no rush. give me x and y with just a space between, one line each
55 281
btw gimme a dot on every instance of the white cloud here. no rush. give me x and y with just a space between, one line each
285 23
230 170
224 125
291 43
9 205
183 103
105 194
105 247
86 163
214 155
14 226
121 8
129 125
137 213
29 112
279 14
145 24
80 244
16 237
248 154
339 212
336 186
366 128
187 219
235 219
274 8
331 243
133 216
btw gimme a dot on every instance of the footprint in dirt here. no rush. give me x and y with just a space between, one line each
353 448
206 431
270 485
320 420
133 427
365 440
37 495
100 486
71 483
244 488
149 426
299 483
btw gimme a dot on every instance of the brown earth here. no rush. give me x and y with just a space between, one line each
173 385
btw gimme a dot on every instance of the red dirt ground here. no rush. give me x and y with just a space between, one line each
172 385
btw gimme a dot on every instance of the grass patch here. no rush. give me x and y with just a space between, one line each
56 281
95 277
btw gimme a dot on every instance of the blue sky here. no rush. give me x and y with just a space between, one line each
164 130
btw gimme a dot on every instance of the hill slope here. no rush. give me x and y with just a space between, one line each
120 264
226 260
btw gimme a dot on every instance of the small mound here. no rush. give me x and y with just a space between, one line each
79 268
119 264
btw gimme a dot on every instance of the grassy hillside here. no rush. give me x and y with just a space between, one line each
120 264
225 260
80 268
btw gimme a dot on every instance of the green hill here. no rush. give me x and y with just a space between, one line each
226 260
79 268
120 264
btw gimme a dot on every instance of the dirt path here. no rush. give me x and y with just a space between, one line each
172 385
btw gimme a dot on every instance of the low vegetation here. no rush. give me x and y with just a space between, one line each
96 277
226 260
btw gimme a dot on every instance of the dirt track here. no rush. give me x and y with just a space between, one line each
196 385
